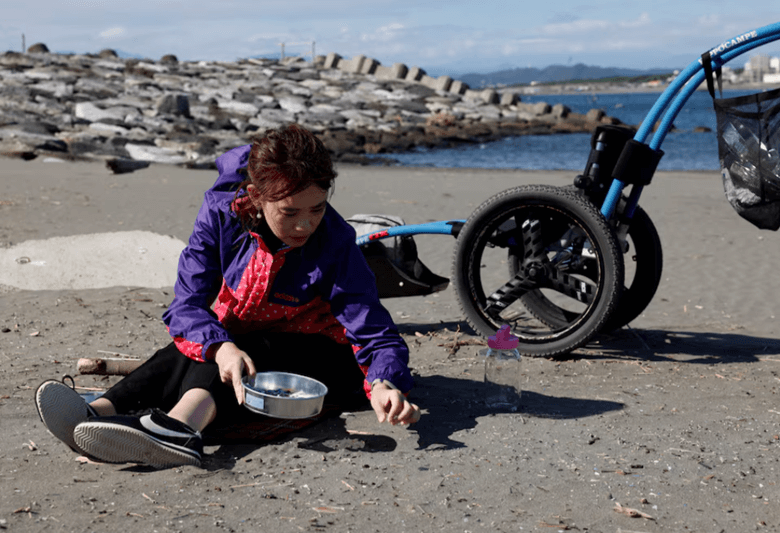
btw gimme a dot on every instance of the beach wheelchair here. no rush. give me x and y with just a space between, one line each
561 264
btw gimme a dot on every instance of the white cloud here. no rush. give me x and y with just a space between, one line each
113 33
390 32
643 20
575 27
600 27
268 37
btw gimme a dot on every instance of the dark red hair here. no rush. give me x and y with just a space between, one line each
282 163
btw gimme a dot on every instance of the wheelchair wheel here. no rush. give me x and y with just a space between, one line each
569 253
642 277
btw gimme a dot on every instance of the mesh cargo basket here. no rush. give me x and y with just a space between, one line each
748 142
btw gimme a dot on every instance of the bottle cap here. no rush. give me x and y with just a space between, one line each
503 339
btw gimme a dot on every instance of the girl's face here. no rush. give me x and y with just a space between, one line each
295 218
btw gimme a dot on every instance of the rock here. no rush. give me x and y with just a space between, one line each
41 127
54 89
341 142
265 123
173 104
108 129
459 87
534 110
397 72
595 115
488 96
509 99
293 104
188 113
353 65
369 66
91 145
17 150
52 145
560 111
332 60
94 89
489 113
154 154
123 166
91 113
239 108
277 115
415 74
442 83
38 48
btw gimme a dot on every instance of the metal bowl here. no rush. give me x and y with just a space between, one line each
283 395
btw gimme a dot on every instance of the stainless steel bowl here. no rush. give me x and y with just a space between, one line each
283 395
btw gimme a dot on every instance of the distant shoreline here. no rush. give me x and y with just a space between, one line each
615 88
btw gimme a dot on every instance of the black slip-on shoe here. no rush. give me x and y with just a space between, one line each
61 409
154 439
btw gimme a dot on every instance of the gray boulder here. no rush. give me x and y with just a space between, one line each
173 104
38 48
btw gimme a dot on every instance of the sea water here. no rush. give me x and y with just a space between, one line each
684 148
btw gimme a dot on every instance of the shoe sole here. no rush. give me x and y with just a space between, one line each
55 402
112 443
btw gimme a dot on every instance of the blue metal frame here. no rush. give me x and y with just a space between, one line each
442 227
678 93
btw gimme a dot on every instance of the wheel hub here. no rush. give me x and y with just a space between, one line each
534 271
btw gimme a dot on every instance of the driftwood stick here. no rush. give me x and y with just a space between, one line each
108 366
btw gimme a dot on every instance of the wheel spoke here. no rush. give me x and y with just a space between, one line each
507 293
539 274
532 240
567 284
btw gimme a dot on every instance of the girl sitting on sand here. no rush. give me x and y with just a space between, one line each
271 280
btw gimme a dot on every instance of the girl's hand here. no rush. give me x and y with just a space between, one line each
232 362
391 406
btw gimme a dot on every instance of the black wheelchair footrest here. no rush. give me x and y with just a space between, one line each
393 282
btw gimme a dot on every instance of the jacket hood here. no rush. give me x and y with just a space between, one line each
228 165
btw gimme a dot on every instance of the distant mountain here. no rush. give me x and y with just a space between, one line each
553 73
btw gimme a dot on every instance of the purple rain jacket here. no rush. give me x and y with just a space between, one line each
229 281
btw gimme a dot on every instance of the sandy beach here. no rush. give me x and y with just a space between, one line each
668 425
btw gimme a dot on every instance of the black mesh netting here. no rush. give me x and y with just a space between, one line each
748 141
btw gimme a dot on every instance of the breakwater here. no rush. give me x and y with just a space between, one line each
132 112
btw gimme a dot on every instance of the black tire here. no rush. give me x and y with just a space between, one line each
642 277
643 266
556 231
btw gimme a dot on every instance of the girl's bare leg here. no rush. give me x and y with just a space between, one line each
103 407
196 409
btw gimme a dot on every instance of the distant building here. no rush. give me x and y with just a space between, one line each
729 75
761 69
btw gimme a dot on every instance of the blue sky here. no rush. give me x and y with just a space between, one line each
442 37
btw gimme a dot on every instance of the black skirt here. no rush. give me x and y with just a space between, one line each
163 379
